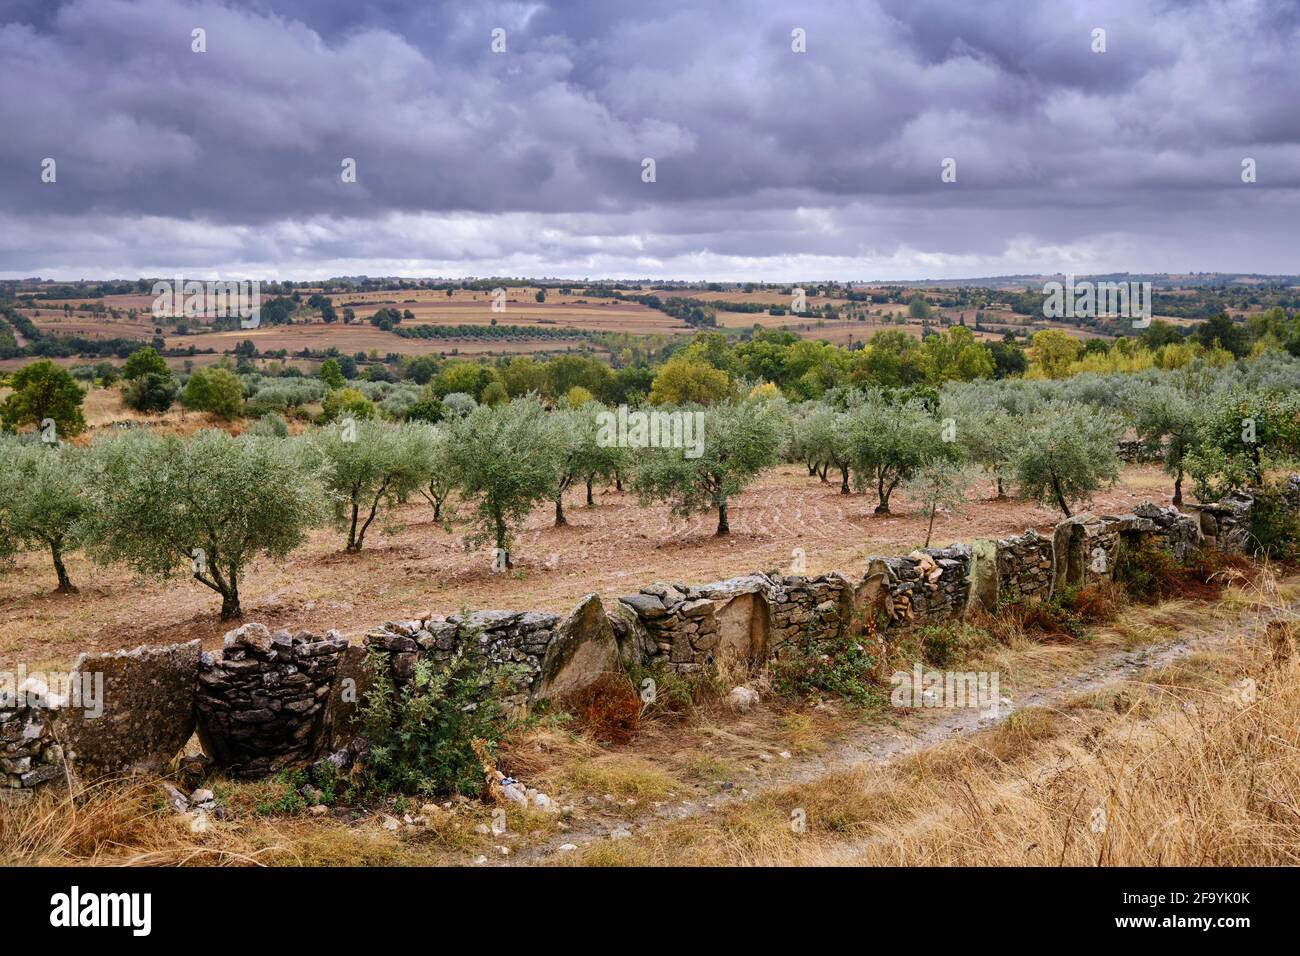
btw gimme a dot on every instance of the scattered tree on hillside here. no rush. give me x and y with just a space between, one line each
42 392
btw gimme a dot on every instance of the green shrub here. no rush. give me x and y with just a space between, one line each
1274 530
422 734
843 667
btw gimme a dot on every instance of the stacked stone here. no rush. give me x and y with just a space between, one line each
1175 531
1024 566
915 594
505 637
806 606
678 628
1224 524
262 704
29 753
1136 451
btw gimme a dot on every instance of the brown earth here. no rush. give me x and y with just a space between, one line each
414 566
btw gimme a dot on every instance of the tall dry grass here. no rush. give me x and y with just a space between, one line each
1196 763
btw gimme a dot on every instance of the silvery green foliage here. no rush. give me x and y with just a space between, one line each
44 500
366 466
458 404
397 403
890 440
985 433
280 394
270 425
433 447
1067 453
505 463
938 485
740 440
1165 416
155 499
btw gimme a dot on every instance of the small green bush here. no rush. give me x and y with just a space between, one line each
843 667
1274 530
421 735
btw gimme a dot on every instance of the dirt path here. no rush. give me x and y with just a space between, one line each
876 743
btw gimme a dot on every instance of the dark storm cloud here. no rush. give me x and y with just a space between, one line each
768 161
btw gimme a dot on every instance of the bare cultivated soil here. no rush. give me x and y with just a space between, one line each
415 566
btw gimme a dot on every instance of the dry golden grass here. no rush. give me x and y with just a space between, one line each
1181 766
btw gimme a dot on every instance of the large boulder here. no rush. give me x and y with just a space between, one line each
583 649
147 717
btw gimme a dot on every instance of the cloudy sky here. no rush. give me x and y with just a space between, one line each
769 163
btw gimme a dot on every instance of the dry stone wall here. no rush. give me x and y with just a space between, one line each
30 754
262 704
928 584
1024 566
152 694
270 701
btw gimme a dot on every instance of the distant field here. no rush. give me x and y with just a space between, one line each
474 308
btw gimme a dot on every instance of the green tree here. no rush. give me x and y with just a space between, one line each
150 392
144 362
504 460
1164 417
739 440
1224 333
43 500
890 441
938 484
215 390
1238 435
954 354
682 381
1054 352
433 447
43 391
1067 453
210 504
344 403
331 373
365 465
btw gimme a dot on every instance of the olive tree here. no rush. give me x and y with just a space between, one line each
938 484
1066 453
986 435
366 465
826 439
738 441
1239 433
889 441
210 504
1164 417
43 501
504 461
434 445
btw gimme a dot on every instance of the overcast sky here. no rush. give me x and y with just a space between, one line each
769 163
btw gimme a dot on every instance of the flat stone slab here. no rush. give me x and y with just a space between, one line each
147 700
